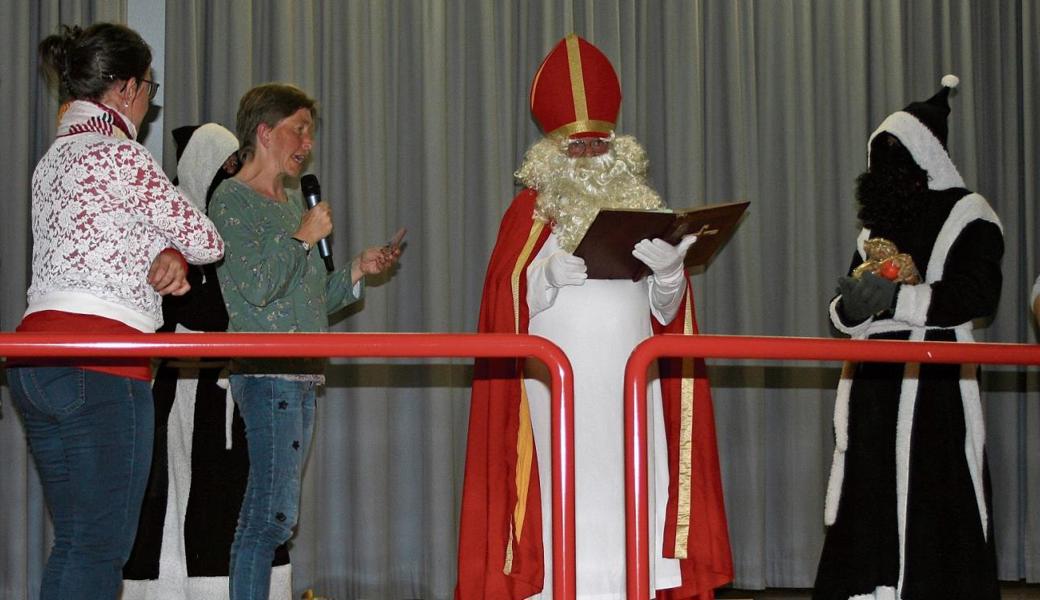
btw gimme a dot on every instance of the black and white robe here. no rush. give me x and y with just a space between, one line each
908 503
199 470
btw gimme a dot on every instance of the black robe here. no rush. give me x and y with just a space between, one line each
909 500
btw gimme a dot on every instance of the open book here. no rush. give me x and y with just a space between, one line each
607 245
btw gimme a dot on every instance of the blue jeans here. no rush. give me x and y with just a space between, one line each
279 419
91 437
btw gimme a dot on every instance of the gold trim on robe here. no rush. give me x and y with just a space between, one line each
682 521
524 435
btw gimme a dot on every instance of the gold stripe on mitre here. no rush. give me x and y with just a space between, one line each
585 126
524 434
682 521
581 106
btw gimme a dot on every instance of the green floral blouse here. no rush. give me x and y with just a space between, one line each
269 282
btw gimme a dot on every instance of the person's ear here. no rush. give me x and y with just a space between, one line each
130 91
263 134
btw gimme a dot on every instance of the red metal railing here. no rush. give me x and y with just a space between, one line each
391 345
773 348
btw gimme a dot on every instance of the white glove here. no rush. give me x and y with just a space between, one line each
664 259
563 268
667 282
546 276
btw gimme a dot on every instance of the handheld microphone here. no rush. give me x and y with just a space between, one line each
312 195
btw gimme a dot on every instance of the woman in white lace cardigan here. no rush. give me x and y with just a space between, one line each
110 237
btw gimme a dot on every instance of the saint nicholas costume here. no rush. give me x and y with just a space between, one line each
908 503
505 531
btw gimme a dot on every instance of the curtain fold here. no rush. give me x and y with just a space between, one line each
423 119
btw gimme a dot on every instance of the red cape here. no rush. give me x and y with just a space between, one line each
500 534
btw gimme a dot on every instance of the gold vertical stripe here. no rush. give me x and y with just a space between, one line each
581 107
518 269
682 522
524 437
524 458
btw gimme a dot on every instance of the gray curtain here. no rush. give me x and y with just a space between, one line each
423 119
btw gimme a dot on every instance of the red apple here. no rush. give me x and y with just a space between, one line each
889 270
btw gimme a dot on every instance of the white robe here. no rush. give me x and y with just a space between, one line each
597 325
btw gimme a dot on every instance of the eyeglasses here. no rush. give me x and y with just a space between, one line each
587 147
153 88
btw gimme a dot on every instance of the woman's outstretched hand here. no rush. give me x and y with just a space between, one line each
377 259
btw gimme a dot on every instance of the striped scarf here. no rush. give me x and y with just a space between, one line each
86 116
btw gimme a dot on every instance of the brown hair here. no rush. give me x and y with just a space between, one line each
86 62
268 104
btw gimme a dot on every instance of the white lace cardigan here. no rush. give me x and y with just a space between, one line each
102 210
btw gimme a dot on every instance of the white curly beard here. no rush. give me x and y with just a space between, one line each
572 190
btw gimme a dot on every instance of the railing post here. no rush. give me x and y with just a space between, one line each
637 514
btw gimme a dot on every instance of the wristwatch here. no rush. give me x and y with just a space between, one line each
306 247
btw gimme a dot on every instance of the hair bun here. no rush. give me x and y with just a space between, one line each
68 38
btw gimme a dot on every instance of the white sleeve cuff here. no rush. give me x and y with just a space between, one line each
666 296
912 304
540 295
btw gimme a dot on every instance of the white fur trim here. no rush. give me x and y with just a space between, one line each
972 207
841 444
229 417
880 593
912 304
924 147
904 429
834 484
861 240
207 149
951 81
975 434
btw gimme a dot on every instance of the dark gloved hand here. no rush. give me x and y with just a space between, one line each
866 296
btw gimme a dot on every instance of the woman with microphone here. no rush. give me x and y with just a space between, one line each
273 280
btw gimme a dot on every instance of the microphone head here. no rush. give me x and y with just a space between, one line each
309 185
